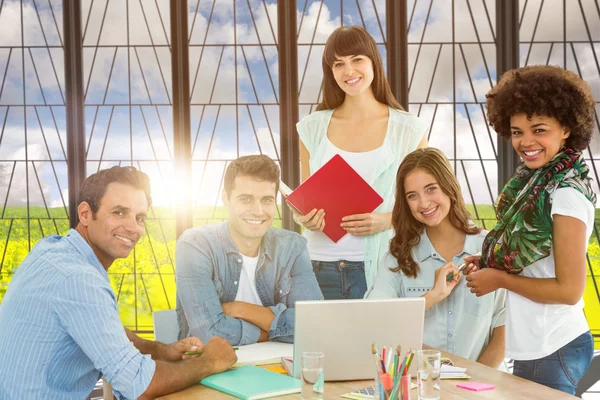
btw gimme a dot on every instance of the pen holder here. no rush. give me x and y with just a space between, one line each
388 388
405 383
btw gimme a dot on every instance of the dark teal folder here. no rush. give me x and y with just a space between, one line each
252 382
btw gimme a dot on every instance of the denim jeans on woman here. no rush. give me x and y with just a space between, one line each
562 369
341 279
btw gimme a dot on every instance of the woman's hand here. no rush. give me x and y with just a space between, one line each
366 224
441 287
313 221
472 263
485 281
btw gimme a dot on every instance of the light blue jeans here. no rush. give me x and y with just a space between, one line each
562 369
341 279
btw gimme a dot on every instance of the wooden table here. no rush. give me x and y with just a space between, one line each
508 387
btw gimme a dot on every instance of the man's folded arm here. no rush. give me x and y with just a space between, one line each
200 301
303 286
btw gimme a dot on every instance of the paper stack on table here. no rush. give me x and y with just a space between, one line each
452 372
263 353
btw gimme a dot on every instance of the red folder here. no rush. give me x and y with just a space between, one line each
339 190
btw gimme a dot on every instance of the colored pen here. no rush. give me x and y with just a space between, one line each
388 364
398 353
410 358
403 367
193 353
460 268
376 359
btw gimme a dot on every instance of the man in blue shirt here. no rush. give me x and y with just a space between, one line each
240 279
59 323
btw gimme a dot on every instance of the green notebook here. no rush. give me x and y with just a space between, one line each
252 382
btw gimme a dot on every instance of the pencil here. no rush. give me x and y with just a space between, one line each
410 358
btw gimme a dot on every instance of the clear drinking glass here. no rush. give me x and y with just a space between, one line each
313 379
428 374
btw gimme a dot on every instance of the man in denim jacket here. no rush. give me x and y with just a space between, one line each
241 278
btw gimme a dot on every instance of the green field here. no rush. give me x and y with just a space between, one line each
145 281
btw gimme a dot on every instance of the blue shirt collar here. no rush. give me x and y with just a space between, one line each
84 248
425 249
266 246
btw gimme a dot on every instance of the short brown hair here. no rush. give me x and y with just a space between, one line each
352 41
95 185
544 90
260 167
407 229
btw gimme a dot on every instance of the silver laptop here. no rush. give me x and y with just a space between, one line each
344 330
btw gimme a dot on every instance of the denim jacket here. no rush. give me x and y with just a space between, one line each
208 271
462 323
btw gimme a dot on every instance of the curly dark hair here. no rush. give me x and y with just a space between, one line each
543 90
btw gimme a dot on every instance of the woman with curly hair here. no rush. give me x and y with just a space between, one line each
360 120
537 250
433 233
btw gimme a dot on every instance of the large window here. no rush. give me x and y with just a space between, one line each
33 167
234 93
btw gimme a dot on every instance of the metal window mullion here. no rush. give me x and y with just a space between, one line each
181 112
288 98
397 49
507 58
74 102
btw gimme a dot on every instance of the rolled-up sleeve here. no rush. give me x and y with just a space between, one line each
87 310
388 284
303 286
200 301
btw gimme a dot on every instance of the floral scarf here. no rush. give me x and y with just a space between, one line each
523 234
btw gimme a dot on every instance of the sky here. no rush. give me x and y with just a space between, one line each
122 67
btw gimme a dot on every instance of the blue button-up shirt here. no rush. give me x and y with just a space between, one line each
462 323
208 274
60 328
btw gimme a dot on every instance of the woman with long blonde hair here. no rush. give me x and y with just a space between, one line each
360 120
433 234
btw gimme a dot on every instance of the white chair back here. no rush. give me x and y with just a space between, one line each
166 328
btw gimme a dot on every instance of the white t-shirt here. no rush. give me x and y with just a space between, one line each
349 247
535 330
247 284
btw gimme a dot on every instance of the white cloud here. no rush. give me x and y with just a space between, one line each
61 201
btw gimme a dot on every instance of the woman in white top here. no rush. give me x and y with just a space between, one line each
537 250
360 120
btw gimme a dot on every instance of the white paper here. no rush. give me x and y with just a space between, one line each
263 353
449 369
452 372
284 189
